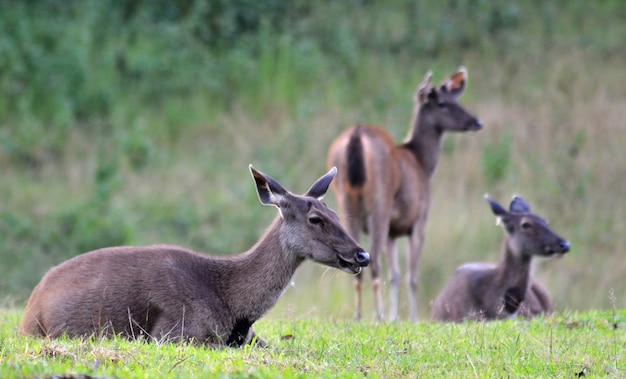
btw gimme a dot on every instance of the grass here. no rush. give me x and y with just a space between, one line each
562 346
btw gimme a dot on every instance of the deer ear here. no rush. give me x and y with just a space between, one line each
423 89
495 207
269 190
319 188
456 84
519 205
433 96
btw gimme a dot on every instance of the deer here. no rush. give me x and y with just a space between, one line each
384 189
485 291
169 293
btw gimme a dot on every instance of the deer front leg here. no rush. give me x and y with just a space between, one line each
394 278
416 242
254 339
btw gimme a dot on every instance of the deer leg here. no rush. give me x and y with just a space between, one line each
253 338
378 227
358 289
353 227
378 296
415 252
394 278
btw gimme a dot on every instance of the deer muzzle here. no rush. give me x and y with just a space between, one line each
564 246
475 124
561 248
360 259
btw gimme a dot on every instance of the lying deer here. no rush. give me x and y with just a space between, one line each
483 291
166 292
384 189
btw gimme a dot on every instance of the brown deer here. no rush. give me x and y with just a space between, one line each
170 293
384 189
484 291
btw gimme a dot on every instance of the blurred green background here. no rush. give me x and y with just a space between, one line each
133 122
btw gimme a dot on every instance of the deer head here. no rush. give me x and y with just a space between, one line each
527 233
441 105
310 229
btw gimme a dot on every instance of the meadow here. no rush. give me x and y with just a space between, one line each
574 345
135 125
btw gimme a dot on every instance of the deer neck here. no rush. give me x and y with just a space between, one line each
259 276
514 269
424 141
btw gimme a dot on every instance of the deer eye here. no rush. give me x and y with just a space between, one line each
526 225
442 104
316 220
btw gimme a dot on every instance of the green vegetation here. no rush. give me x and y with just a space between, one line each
564 346
134 123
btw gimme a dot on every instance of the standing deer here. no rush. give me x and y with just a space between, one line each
384 189
484 291
171 293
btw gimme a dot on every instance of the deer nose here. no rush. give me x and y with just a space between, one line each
478 124
362 258
564 246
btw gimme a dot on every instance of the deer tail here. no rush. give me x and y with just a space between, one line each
356 160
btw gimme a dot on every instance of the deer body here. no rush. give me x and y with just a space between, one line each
167 292
484 291
383 189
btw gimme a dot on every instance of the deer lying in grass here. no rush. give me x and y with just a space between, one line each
384 189
171 293
483 291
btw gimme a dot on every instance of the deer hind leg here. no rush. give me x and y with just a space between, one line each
378 298
378 227
376 285
358 290
394 278
353 225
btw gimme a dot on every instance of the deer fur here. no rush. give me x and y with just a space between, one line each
484 291
384 189
167 292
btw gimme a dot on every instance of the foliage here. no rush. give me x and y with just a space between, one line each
68 63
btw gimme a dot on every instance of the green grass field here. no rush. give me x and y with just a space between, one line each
589 345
